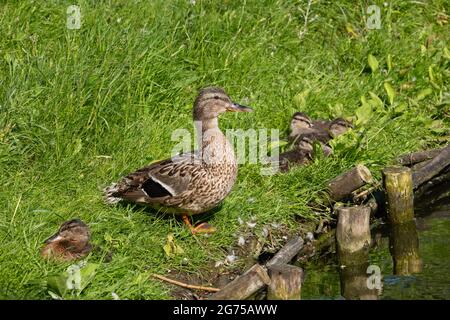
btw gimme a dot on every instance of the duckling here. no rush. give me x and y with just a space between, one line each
293 157
305 143
323 130
300 123
71 242
303 152
339 126
194 182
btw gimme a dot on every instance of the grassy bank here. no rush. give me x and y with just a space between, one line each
79 108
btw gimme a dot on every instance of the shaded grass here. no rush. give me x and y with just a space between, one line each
80 108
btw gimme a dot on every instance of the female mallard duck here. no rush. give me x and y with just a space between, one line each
71 242
189 183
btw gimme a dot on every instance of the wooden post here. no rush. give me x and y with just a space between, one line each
404 248
399 190
353 234
245 285
286 282
343 185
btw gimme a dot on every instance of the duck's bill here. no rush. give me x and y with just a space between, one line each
53 238
236 107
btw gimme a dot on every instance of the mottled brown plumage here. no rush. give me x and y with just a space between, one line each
189 183
71 242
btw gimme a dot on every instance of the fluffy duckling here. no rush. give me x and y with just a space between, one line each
301 123
71 242
339 126
305 143
323 130
303 152
293 157
304 131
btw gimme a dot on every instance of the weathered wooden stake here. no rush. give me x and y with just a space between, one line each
353 233
245 285
343 185
286 282
399 190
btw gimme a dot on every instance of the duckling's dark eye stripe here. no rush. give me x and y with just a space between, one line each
216 97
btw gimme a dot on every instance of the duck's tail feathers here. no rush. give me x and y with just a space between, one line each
110 194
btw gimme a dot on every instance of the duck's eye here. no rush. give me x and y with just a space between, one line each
216 97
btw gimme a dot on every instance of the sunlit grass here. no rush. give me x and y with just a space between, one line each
80 108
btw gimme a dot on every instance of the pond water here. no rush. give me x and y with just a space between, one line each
425 276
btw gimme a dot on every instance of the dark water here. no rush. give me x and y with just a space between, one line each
426 277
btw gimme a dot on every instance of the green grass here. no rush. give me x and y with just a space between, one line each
122 83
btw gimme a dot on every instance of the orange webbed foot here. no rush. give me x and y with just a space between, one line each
204 227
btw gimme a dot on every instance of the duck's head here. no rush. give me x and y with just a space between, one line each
300 120
213 101
339 126
72 238
305 143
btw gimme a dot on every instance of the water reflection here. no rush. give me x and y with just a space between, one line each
356 283
404 249
409 270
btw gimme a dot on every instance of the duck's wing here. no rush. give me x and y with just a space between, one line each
161 182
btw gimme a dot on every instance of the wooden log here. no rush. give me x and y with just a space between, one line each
420 165
287 253
373 205
257 277
286 282
343 185
353 233
416 157
404 248
399 193
432 184
439 163
245 285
